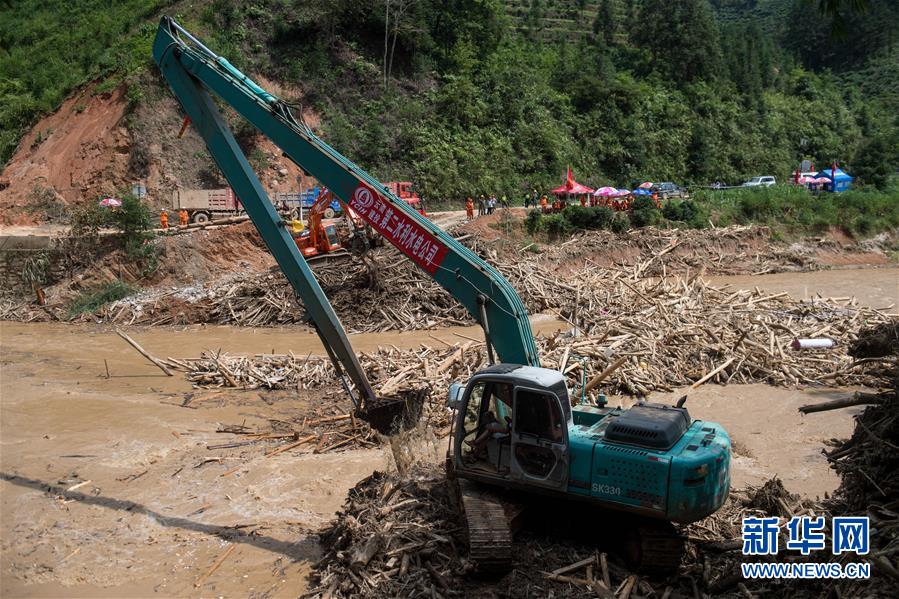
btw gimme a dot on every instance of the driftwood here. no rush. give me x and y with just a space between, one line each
857 399
144 353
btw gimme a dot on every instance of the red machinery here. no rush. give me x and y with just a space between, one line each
318 238
405 191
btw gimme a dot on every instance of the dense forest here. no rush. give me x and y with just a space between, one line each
468 96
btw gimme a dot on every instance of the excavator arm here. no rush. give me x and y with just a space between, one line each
193 71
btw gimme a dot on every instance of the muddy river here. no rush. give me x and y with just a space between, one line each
875 287
149 514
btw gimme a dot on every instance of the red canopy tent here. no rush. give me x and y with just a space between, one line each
571 187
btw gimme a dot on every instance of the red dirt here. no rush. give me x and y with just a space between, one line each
83 152
184 260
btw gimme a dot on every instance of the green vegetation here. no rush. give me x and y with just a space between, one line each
795 211
787 211
90 300
50 47
484 99
132 221
478 96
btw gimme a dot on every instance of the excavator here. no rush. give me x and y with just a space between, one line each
318 240
516 433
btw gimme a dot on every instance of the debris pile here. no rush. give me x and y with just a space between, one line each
401 537
394 538
657 252
868 462
388 293
649 335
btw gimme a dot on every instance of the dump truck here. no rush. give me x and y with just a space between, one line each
203 205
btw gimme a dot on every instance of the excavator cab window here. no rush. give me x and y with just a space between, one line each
539 437
487 422
538 415
331 232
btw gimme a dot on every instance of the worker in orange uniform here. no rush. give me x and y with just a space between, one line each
164 219
183 218
543 204
469 209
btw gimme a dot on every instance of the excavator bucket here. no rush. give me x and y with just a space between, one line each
393 415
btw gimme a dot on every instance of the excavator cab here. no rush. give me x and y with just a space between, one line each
313 242
515 427
511 425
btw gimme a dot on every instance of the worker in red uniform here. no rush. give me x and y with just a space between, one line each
543 204
164 219
469 209
583 201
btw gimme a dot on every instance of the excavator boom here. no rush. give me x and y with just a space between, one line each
192 70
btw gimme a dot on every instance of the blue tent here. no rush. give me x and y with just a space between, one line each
839 181
641 192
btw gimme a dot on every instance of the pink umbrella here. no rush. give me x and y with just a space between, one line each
622 192
646 185
805 179
605 191
110 203
822 180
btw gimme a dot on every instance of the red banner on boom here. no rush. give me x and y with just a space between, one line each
398 228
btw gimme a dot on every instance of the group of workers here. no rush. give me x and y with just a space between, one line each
557 204
183 218
486 205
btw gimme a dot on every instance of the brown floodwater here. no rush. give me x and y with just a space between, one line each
874 287
155 515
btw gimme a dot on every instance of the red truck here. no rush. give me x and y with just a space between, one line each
405 191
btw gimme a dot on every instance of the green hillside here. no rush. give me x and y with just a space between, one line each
484 95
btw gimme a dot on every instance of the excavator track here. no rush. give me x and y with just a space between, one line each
489 528
655 549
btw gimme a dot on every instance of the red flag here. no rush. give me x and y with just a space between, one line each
569 182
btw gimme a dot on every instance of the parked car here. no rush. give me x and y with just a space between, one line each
669 190
760 182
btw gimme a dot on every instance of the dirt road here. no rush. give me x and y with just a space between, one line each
157 511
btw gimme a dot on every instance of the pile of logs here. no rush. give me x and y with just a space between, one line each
574 279
642 335
400 537
868 462
719 251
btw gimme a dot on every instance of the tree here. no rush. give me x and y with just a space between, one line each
877 158
607 22
393 20
682 37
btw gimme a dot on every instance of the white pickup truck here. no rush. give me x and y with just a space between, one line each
760 182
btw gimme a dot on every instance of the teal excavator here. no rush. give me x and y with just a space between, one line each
515 432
